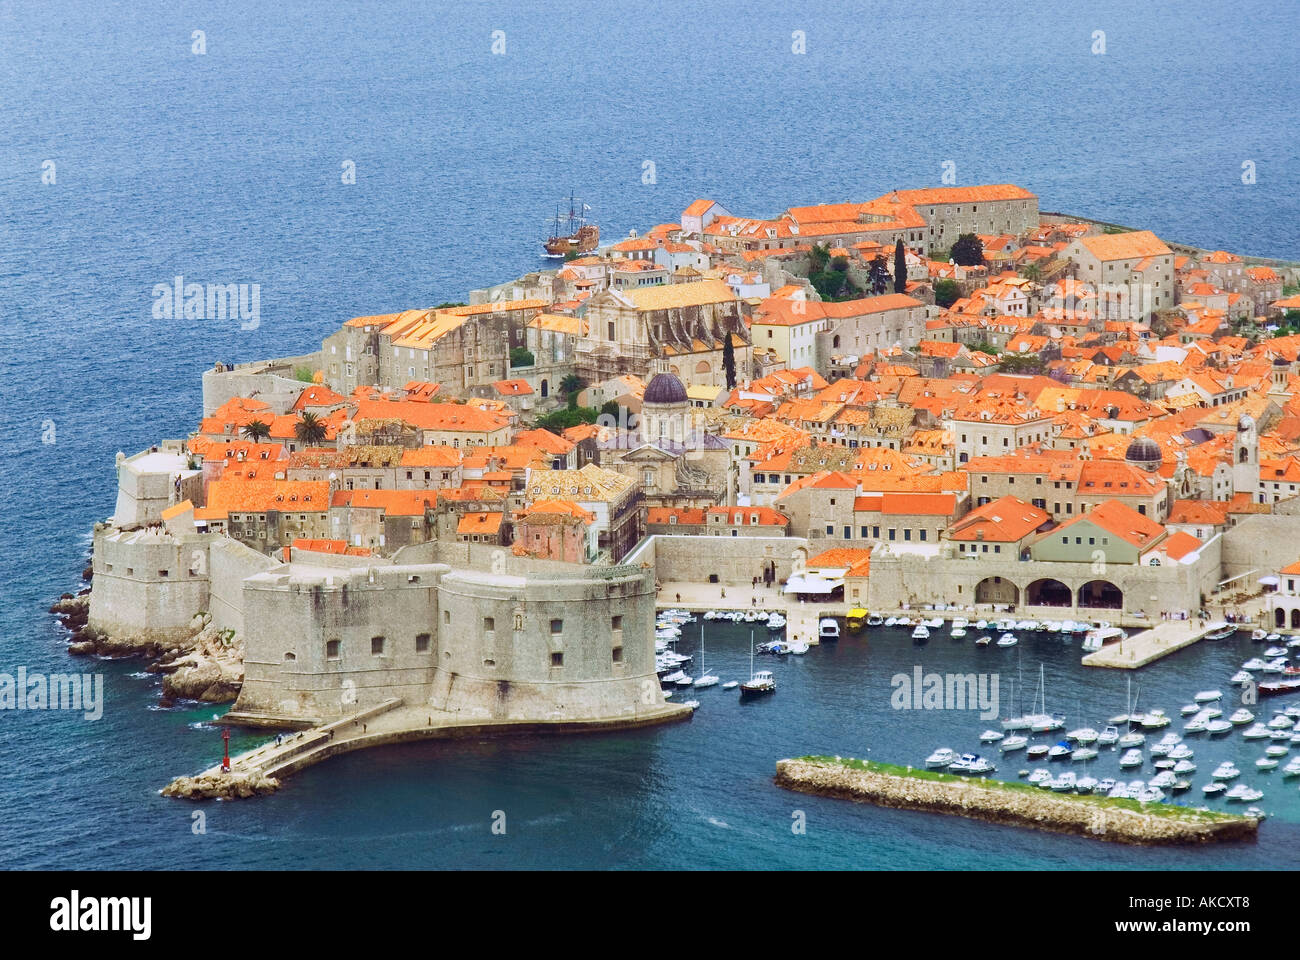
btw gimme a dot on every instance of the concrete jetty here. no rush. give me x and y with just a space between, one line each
1012 804
262 769
1149 645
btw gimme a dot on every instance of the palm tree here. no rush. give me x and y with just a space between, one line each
310 429
572 384
257 430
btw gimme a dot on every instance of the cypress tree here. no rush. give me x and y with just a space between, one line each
729 361
900 267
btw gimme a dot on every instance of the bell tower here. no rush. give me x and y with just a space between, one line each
1245 457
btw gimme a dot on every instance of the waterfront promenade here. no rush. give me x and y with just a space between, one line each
1149 645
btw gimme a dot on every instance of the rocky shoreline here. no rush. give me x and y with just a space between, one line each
1011 804
207 666
229 786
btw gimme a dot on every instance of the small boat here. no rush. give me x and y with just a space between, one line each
1059 751
970 763
1244 794
1258 635
1037 751
1086 784
798 647
1274 638
1280 735
828 628
1197 725
942 757
1216 727
891 621
1254 663
991 736
1180 786
1281 722
1155 720
960 623
1083 753
1210 713
921 633
855 619
1180 752
1226 771
1133 739
776 622
1220 631
1164 763
731 685
1266 763
760 683
983 641
1189 708
1276 751
1064 783
1132 758
1163 779
1184 766
1241 676
1205 696
685 681
708 680
1007 640
934 623
1106 785
1109 736
1014 742
693 704
1273 688
1150 794
981 624
1257 731
875 621
1292 769
957 633
1083 735
1040 776
1275 652
1214 789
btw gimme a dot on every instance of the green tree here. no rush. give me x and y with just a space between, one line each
729 361
521 357
968 251
310 429
900 267
572 384
304 374
1032 271
946 292
257 430
819 256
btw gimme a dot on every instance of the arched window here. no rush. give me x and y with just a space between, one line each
1243 455
546 388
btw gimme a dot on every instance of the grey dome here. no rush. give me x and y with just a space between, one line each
1281 362
664 388
1143 451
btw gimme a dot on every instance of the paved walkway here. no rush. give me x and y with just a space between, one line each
1149 645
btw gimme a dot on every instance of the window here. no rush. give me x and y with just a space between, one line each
618 654
557 626
446 616
332 650
830 530
162 573
489 625
377 646
421 643
557 659
616 623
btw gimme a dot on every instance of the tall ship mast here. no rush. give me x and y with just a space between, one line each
572 233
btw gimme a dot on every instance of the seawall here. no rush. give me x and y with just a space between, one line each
1013 804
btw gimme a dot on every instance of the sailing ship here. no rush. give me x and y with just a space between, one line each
571 234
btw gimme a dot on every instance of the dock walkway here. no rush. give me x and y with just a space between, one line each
1148 646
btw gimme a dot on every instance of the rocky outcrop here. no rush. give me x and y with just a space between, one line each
226 786
207 666
1012 804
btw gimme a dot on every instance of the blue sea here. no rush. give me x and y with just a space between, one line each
128 159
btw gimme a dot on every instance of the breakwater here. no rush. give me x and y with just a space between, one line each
1014 804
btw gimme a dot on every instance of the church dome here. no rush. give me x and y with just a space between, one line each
1144 452
1246 422
664 388
1281 362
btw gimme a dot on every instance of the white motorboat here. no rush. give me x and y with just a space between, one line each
1258 635
1132 758
798 647
1083 735
1163 779
960 623
1190 708
984 641
942 757
1109 736
957 633
1292 769
1064 783
685 681
981 624
1007 640
1014 742
1037 751
1150 794
922 632
1154 720
1205 696
1197 725
1133 739
731 685
1275 652
874 620
934 623
1214 788
1281 722
1257 731
1254 663
1241 676
1106 785
1083 753
828 628
1276 751
1211 713
776 622
1180 752
1244 794
970 763
1216 727
1226 771
1266 763
1005 625
991 736
1183 767
1059 751
1086 784
1040 776
891 621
